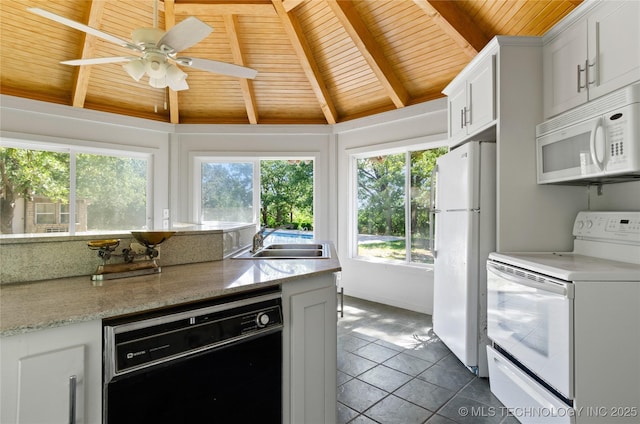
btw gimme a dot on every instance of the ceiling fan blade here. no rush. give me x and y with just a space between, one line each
185 34
82 27
97 60
218 67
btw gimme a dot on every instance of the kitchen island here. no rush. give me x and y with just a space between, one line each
45 322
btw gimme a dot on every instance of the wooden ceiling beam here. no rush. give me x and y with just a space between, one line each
303 51
348 16
289 5
169 22
81 83
246 85
231 8
448 16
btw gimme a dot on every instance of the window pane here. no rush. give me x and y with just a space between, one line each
381 207
31 178
111 193
422 163
45 213
227 192
286 194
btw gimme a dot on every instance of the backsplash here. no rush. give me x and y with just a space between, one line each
45 258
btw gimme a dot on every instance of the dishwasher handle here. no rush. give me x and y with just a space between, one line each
534 281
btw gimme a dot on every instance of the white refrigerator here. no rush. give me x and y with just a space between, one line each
465 234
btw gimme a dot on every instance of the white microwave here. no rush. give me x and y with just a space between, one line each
595 143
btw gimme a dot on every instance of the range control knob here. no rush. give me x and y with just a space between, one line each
580 225
262 319
589 223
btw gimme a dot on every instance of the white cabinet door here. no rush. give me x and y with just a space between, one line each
51 387
472 104
36 370
310 351
457 108
614 47
593 57
564 70
480 96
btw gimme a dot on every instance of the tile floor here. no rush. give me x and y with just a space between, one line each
392 368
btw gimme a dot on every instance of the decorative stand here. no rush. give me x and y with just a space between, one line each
137 261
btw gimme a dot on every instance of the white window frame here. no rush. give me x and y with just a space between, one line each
37 214
405 147
197 159
74 147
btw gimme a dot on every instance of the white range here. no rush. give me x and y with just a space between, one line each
565 326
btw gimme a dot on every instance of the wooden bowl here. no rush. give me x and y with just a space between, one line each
152 238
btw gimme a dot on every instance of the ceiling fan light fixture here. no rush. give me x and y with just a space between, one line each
135 68
175 75
158 82
156 66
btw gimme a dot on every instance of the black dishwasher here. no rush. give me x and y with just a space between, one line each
219 362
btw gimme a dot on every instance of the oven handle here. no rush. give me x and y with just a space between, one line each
552 287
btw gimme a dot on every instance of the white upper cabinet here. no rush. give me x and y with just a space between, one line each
564 66
472 101
595 55
614 47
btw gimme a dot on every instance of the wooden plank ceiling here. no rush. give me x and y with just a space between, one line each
318 61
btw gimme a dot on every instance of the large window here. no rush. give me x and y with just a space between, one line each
274 192
393 202
43 191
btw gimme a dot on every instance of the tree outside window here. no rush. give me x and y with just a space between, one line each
393 205
284 188
110 191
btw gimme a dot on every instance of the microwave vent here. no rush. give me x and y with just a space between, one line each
617 99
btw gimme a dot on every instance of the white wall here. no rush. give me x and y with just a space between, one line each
615 197
405 286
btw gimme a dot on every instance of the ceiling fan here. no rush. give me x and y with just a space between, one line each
158 52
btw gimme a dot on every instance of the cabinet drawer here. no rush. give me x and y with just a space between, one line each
528 400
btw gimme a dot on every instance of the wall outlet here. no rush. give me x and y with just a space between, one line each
165 224
165 214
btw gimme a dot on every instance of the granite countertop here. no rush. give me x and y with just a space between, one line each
33 306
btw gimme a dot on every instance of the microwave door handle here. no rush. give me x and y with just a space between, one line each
597 145
548 287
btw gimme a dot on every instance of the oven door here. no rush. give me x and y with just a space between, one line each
530 316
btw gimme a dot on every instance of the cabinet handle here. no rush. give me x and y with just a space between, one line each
461 118
73 382
594 71
467 111
580 71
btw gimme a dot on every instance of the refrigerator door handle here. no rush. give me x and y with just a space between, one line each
432 209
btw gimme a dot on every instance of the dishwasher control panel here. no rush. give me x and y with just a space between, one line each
141 343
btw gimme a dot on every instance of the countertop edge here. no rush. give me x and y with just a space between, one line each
55 303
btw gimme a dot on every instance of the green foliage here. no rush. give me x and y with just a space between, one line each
26 173
382 208
227 191
115 189
286 192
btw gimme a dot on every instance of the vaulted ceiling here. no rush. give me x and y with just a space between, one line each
318 61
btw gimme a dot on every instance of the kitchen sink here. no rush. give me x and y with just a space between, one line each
294 246
288 251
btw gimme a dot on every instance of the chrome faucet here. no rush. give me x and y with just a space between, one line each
258 238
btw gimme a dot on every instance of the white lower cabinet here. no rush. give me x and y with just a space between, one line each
52 376
310 350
